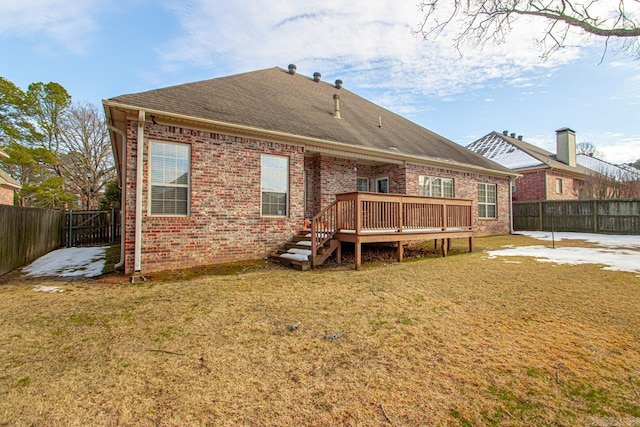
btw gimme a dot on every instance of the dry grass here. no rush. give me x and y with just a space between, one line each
461 340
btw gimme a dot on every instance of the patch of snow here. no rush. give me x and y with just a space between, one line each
299 251
606 240
296 257
622 174
69 262
617 260
43 288
499 150
304 243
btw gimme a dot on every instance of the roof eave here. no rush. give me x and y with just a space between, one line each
308 141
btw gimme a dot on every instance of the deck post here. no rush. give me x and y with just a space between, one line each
400 251
470 244
444 247
339 253
358 259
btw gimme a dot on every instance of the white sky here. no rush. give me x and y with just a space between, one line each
101 49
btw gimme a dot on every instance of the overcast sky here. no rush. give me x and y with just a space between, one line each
98 49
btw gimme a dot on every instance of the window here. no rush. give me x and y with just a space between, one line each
363 184
487 201
275 185
435 187
382 185
559 185
170 177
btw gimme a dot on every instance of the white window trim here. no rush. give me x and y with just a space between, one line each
430 177
382 178
363 178
488 204
559 186
151 184
288 193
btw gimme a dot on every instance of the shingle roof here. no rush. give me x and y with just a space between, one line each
275 100
7 181
622 173
516 154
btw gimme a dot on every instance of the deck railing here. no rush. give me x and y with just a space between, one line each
371 213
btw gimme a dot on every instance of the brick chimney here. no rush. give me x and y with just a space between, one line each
566 146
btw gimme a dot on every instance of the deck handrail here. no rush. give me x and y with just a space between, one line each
399 212
323 227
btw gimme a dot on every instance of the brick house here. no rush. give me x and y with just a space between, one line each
545 176
231 168
8 185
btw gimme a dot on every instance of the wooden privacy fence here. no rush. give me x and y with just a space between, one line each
27 234
620 216
91 228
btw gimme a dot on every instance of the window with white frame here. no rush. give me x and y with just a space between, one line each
275 185
559 185
363 184
170 178
430 186
487 207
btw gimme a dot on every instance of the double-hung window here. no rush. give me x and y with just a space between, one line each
487 207
363 184
429 186
275 185
170 177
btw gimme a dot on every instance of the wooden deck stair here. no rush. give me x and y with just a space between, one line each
297 251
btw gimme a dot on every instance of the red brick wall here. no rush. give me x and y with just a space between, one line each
465 186
225 222
532 185
6 196
569 187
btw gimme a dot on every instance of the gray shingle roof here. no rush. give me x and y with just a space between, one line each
517 154
274 100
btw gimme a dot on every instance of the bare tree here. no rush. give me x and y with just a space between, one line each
484 20
588 149
87 161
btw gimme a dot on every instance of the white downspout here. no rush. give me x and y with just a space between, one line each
137 257
123 196
511 231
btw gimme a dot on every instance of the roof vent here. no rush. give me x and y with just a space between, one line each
336 106
292 69
338 84
520 137
505 132
316 77
513 134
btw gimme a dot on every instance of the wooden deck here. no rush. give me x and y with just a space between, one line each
362 217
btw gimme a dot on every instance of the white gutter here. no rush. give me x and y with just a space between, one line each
137 261
314 143
123 196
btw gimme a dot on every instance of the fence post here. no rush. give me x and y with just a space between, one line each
595 216
540 217
112 239
70 241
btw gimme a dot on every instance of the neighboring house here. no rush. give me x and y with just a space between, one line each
609 180
545 176
231 168
8 185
